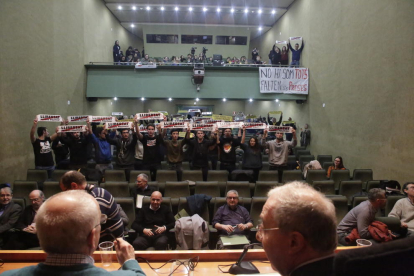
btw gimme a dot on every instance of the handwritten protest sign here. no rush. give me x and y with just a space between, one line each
284 80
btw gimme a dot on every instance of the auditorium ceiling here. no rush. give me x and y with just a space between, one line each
257 16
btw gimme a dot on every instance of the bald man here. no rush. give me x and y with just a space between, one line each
25 235
152 223
298 232
68 226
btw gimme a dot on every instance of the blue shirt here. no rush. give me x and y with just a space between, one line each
102 150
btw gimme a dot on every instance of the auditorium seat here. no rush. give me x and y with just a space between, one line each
114 175
20 201
51 188
255 211
268 176
175 190
39 176
127 204
166 175
295 175
364 175
57 174
194 176
186 165
305 158
164 165
221 177
242 188
324 158
22 188
350 188
133 174
265 166
391 200
299 153
263 187
326 165
357 200
183 204
339 175
373 184
209 188
315 175
341 206
295 149
326 187
117 188
291 159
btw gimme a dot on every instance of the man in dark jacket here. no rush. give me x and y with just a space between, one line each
9 212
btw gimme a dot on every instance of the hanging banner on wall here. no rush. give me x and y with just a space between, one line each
284 80
72 128
49 118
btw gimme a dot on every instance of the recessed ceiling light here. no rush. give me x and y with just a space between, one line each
119 7
277 100
273 11
205 9
197 99
250 100
115 98
142 99
246 10
148 8
232 10
162 8
170 99
176 8
218 10
132 25
224 99
259 11
260 28
134 8
190 9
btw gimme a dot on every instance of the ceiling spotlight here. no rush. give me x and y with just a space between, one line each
259 11
115 98
190 9
162 8
142 99
170 99
232 10
246 10
277 100
132 25
119 7
134 8
205 9
224 99
260 28
197 99
148 8
250 100
176 8
218 10
273 11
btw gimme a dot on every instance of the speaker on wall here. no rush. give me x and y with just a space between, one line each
300 101
92 99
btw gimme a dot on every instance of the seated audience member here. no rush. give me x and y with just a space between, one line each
142 187
42 148
312 165
73 180
243 60
123 60
137 53
9 212
404 208
228 60
231 218
103 154
259 60
130 51
25 235
298 231
338 165
360 218
68 226
146 58
152 224
166 60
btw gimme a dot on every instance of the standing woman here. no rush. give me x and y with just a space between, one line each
116 51
338 165
252 158
284 56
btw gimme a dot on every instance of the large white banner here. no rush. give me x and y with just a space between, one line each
284 80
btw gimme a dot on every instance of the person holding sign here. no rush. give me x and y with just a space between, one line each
227 145
42 148
151 144
296 53
279 151
103 155
284 57
252 158
272 121
175 152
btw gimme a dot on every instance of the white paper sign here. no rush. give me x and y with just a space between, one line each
150 116
255 125
281 42
284 80
101 119
295 38
139 65
176 124
229 124
80 118
49 118
140 199
203 127
283 129
72 128
117 125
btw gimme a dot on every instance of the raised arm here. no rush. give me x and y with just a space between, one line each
138 133
280 119
32 131
244 135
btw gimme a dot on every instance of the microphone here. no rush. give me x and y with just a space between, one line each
241 267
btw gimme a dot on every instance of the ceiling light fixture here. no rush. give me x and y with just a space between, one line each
170 99
148 8
197 99
176 8
119 7
224 99
115 98
259 11
134 8
232 10
273 11
162 8
246 10
277 100
250 100
142 99
205 9
218 10
260 28
132 25
190 9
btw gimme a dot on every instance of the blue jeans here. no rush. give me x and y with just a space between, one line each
49 169
294 63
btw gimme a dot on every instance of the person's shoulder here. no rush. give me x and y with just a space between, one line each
25 271
242 208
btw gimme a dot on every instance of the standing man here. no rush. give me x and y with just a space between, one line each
68 226
25 237
361 217
78 146
305 136
9 212
73 180
279 151
227 145
42 148
151 144
175 152
298 231
103 155
296 53
404 208
153 223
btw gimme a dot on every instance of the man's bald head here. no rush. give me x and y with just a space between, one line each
156 200
65 221
36 197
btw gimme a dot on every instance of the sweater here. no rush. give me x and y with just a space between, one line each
404 211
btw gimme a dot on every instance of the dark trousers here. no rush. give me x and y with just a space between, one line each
138 164
178 167
213 159
21 241
228 167
127 169
279 169
204 171
153 170
255 172
159 242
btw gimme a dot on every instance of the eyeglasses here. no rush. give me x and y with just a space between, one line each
35 199
260 231
232 197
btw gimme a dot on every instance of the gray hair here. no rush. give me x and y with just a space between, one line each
65 230
232 192
8 189
299 207
375 193
41 194
143 176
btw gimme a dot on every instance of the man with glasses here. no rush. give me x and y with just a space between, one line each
9 212
404 208
142 187
68 226
24 236
298 231
361 217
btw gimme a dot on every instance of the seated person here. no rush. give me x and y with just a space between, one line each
9 212
312 165
338 165
404 208
231 218
142 187
25 235
361 217
152 224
